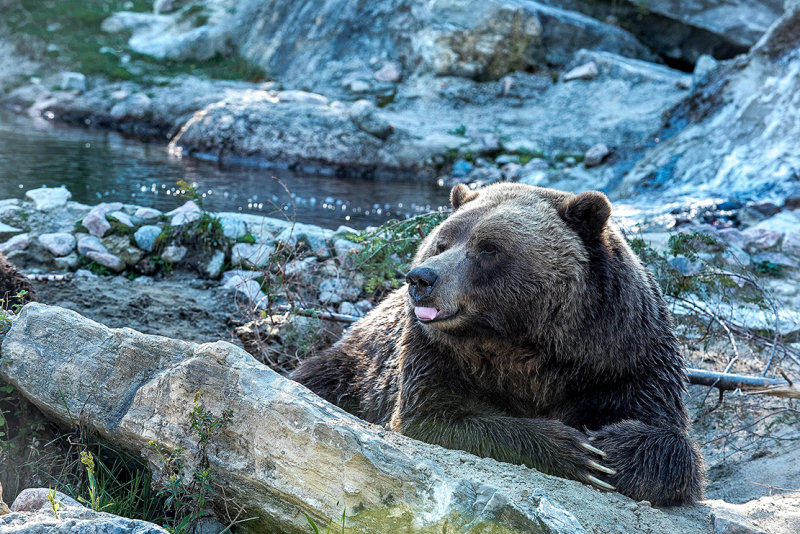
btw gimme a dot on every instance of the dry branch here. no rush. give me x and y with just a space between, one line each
752 385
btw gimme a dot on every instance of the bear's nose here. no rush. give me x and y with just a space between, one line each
421 281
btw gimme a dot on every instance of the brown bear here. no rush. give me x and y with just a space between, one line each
528 332
12 282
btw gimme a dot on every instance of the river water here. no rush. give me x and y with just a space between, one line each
101 166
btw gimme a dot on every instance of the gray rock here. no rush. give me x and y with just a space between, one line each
67 263
782 222
146 214
7 232
363 306
90 244
391 72
365 115
49 198
702 70
615 66
173 254
137 106
227 276
759 239
116 244
775 258
345 249
58 244
302 97
117 379
32 513
251 255
301 270
233 228
121 217
596 155
73 81
107 260
348 308
95 221
145 236
726 520
316 238
685 266
336 290
247 288
188 212
18 242
791 243
587 71
215 265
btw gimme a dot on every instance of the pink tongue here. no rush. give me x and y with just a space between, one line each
426 313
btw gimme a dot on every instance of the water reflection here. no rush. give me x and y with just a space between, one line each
98 166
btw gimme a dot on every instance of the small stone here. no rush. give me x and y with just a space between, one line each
174 254
596 155
49 198
90 244
348 308
345 248
73 81
335 290
250 289
300 269
58 244
760 239
116 244
302 97
215 265
145 236
122 218
187 213
731 236
685 266
107 260
728 521
137 106
233 228
587 71
84 273
502 159
68 262
314 237
251 255
729 205
363 306
34 499
95 221
18 242
392 72
461 168
146 214
365 116
7 232
702 70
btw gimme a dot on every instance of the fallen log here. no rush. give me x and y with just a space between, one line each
752 385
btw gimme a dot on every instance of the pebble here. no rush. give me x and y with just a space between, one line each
336 290
391 72
95 221
596 155
759 239
146 214
791 243
250 289
227 276
365 116
73 81
122 217
145 237
188 212
775 258
348 308
58 244
215 265
587 71
49 198
233 228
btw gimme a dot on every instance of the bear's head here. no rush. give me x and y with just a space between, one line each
510 261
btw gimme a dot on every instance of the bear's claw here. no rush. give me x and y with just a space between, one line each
601 468
593 449
600 484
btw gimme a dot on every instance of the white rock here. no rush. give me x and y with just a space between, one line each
73 81
187 213
7 232
587 71
145 236
250 289
595 155
18 242
791 243
95 221
107 260
122 217
146 214
227 276
90 244
303 97
49 198
390 73
173 254
251 255
233 228
215 265
58 244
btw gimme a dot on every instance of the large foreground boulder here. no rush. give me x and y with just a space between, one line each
285 452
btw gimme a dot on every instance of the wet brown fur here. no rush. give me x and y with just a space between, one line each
559 330
11 283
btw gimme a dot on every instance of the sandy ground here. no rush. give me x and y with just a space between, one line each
751 443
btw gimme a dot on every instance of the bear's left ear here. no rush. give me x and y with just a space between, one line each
460 195
587 213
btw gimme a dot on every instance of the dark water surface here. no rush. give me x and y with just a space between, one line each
100 166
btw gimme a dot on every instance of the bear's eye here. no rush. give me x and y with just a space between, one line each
488 249
441 246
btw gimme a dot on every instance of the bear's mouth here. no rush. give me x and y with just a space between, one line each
429 315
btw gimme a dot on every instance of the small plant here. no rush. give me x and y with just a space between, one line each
388 251
94 498
190 192
331 524
187 500
54 504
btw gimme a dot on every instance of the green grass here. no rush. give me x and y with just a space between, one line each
72 28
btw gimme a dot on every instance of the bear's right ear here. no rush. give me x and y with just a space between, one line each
460 195
587 213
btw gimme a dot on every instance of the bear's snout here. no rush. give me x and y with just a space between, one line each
421 281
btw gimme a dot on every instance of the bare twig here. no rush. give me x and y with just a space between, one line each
326 316
752 385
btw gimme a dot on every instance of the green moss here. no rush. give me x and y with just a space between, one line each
247 238
73 28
